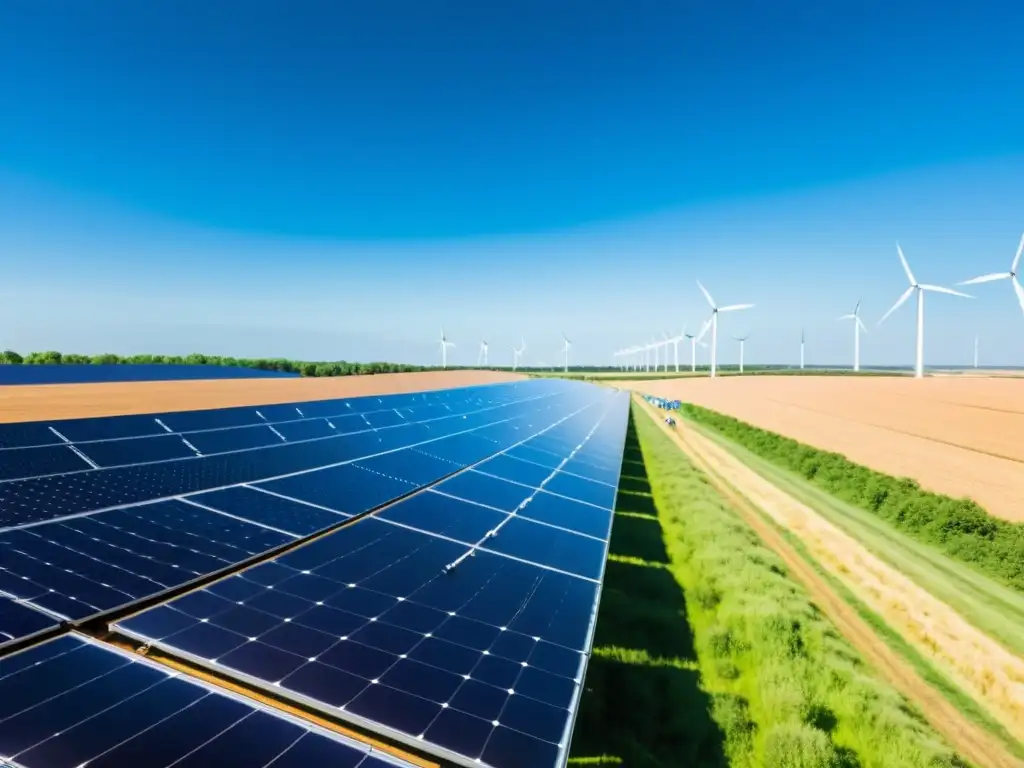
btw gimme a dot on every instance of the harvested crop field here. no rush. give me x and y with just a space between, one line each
68 401
959 437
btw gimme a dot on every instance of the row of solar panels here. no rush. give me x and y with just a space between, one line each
42 498
504 636
85 444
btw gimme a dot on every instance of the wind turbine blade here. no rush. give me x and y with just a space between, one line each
950 291
1016 259
1020 293
848 317
861 324
986 278
856 309
906 267
734 307
707 295
899 301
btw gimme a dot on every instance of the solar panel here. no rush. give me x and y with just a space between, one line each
136 450
477 662
47 459
73 702
249 503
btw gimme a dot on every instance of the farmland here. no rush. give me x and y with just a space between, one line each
955 436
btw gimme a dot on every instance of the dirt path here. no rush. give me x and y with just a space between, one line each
972 742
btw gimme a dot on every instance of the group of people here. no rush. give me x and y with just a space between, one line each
667 405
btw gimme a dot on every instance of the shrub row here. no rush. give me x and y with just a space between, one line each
960 528
788 691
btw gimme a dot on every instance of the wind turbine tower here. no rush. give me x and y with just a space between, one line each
444 349
481 358
801 349
565 351
714 324
742 340
858 326
517 354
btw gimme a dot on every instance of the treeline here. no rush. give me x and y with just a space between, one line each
303 368
960 528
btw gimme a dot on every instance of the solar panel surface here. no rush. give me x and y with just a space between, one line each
72 702
459 618
482 662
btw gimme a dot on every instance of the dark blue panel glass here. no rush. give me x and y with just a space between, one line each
223 440
543 458
311 409
108 428
484 489
582 490
461 450
389 418
346 488
550 443
566 513
349 422
42 460
376 628
549 546
86 565
410 465
306 429
17 620
79 703
112 453
450 517
514 469
278 412
190 421
267 509
23 435
580 466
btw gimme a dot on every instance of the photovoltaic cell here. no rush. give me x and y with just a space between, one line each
409 465
41 460
518 471
347 488
24 435
307 429
86 565
79 430
486 489
113 453
483 661
435 513
237 439
268 509
580 489
18 621
569 514
73 702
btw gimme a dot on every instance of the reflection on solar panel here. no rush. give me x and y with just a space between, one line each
457 616
72 702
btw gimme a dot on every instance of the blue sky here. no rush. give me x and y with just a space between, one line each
322 180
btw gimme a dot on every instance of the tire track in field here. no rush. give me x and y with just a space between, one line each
971 741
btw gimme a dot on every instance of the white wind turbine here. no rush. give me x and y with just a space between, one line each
481 358
565 351
517 354
694 341
674 341
1012 274
714 323
801 349
858 326
742 340
444 348
920 288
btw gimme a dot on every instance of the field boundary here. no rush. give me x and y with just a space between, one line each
974 743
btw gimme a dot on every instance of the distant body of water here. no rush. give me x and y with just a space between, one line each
80 374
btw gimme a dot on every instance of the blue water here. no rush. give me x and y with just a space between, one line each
79 374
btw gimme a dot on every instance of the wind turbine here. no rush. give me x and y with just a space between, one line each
444 348
920 289
742 340
694 341
714 323
482 357
674 341
858 326
801 349
565 351
517 354
1012 274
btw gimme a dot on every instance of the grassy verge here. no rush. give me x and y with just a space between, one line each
995 609
959 528
707 654
928 672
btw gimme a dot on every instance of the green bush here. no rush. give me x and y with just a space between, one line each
960 528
